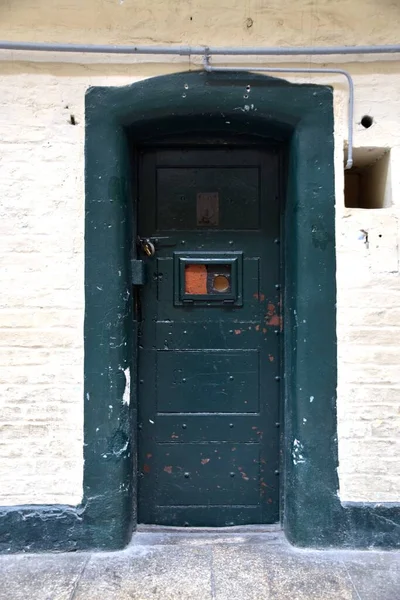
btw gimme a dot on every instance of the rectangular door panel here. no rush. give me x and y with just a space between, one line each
208 381
207 427
233 334
194 474
212 515
190 197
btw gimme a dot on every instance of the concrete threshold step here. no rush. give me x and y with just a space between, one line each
244 534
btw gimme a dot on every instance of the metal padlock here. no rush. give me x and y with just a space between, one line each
147 246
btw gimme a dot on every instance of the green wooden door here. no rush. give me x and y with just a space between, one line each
209 358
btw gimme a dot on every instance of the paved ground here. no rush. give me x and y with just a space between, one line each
244 564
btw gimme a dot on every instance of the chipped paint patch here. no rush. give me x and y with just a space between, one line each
272 318
122 450
274 321
204 461
168 469
126 398
297 453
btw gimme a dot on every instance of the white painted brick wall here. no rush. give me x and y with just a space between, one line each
41 300
42 221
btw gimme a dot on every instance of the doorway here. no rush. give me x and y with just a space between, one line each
298 118
208 324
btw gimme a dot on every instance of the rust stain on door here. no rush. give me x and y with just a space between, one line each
271 318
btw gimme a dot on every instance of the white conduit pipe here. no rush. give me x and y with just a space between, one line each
198 50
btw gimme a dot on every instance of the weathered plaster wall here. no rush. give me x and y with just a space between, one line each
42 209
267 22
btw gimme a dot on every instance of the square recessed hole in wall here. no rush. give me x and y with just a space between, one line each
367 184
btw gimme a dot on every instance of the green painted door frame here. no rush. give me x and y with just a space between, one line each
301 118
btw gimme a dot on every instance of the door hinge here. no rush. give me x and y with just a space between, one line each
138 272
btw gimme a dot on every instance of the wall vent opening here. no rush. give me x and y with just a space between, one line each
368 183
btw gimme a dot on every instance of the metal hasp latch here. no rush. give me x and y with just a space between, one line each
138 272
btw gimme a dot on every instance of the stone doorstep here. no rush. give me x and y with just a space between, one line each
250 563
